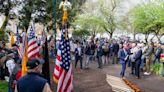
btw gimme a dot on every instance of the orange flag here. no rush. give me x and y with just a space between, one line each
12 41
25 57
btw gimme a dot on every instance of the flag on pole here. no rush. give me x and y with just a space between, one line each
63 65
33 48
12 40
57 66
20 51
17 36
25 56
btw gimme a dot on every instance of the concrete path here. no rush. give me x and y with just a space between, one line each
93 79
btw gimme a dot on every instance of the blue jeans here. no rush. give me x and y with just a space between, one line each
143 60
129 63
9 88
99 61
123 69
137 70
88 58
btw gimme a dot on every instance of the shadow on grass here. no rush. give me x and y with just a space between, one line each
3 86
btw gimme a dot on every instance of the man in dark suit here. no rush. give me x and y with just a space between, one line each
116 49
99 55
78 55
111 52
138 61
123 56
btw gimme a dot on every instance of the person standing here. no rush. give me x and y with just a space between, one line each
148 56
123 56
78 55
143 59
99 55
133 52
10 64
157 54
111 52
93 47
88 54
116 49
33 82
89 51
162 58
105 53
137 58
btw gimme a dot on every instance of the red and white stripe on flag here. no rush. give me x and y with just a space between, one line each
33 48
65 80
62 77
20 52
57 66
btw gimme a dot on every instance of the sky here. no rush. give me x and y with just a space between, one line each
127 4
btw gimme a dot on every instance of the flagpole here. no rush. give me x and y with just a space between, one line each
54 14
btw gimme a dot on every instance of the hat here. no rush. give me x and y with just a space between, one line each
33 63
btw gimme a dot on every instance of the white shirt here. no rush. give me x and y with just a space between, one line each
134 51
10 65
79 50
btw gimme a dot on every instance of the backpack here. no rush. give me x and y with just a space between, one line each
105 49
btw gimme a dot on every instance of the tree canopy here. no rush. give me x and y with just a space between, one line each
148 18
99 16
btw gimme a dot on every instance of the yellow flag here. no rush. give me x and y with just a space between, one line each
25 59
12 41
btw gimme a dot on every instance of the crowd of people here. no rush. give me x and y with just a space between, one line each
11 71
138 56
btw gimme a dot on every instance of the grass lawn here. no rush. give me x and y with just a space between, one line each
3 86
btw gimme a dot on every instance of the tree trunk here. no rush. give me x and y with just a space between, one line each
159 40
134 36
151 40
2 29
146 38
93 34
111 35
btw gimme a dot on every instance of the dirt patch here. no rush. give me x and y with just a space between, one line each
90 80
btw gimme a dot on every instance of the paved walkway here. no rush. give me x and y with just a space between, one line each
93 79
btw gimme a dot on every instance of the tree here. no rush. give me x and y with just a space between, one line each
33 10
125 23
6 7
80 33
109 14
99 16
42 11
91 22
148 18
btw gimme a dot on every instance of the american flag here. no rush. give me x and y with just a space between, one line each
33 48
20 51
17 35
63 68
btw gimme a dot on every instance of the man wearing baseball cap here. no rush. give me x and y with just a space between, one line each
32 82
